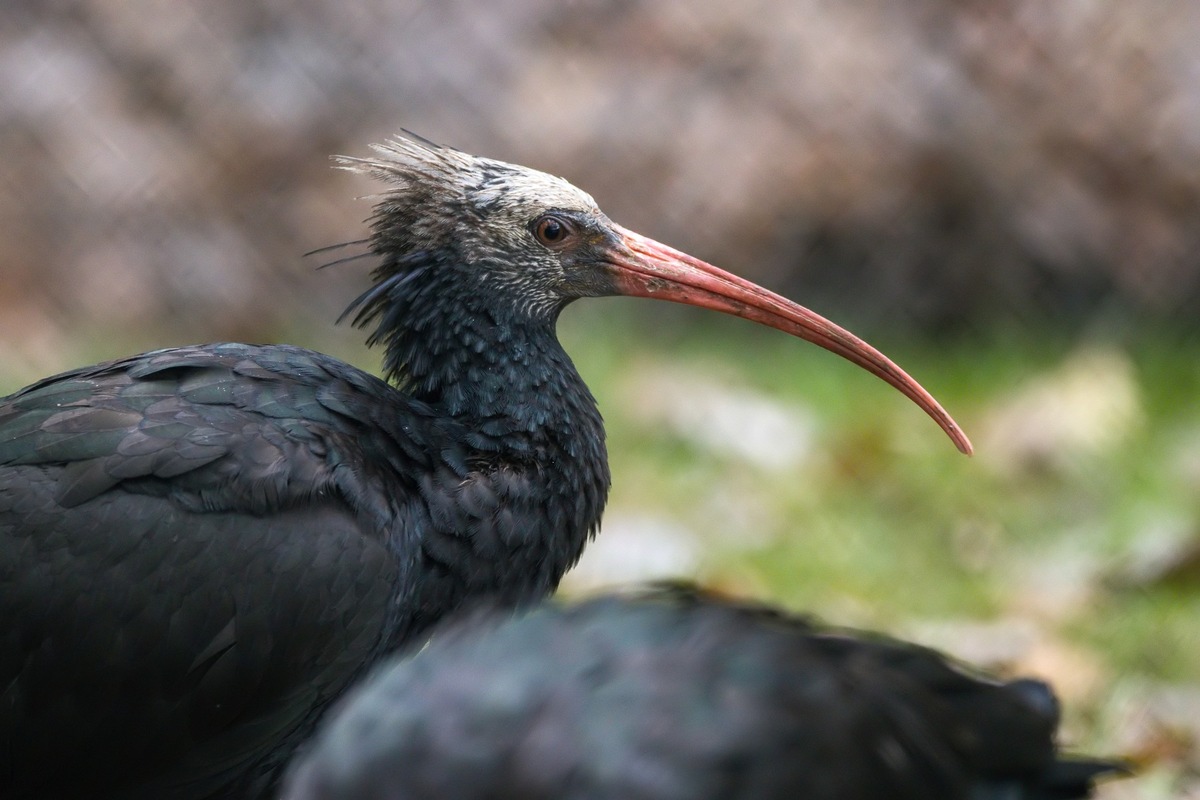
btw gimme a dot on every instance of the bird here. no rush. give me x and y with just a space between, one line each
201 547
676 693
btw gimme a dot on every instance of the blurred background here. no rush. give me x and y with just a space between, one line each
1003 196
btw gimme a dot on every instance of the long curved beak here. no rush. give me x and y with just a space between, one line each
651 269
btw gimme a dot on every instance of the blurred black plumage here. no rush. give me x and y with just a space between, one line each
675 695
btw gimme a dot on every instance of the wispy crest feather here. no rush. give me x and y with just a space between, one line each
409 161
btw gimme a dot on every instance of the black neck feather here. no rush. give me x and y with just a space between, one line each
504 378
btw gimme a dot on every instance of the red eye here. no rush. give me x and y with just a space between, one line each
551 231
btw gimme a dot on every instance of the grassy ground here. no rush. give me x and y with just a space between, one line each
1068 558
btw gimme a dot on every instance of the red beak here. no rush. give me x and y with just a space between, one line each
651 269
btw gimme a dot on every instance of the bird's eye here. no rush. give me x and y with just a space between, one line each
552 231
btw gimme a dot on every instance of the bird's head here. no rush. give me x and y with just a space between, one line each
527 241
530 243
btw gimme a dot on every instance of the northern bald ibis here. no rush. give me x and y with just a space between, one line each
679 696
201 547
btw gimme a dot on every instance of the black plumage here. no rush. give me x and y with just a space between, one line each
681 697
201 547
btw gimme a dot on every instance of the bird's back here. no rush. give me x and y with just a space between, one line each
191 565
681 698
